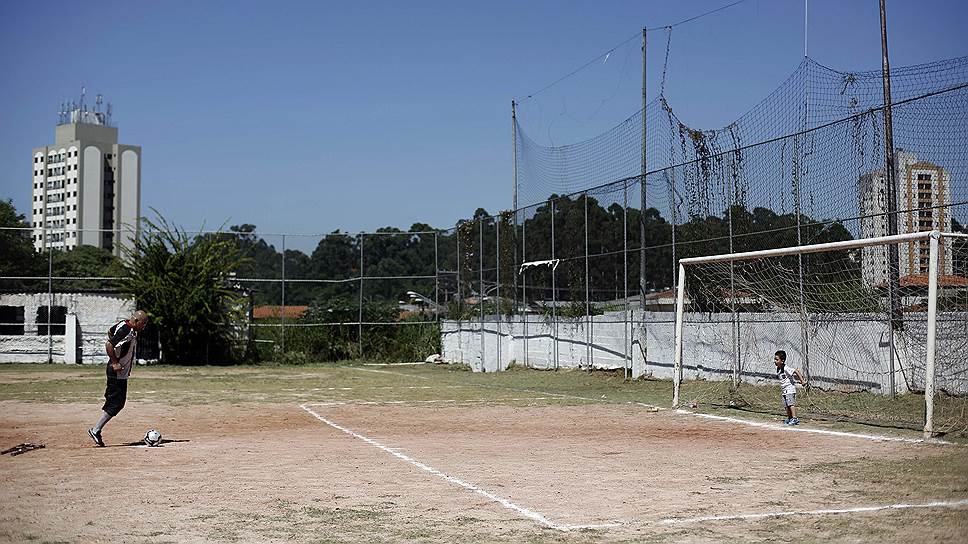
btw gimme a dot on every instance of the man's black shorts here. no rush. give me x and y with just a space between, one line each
115 393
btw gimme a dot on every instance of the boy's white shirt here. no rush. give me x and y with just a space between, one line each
787 380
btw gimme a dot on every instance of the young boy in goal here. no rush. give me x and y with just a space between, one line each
788 387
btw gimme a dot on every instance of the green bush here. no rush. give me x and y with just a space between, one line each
328 332
185 285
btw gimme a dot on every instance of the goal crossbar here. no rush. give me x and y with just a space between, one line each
816 248
933 237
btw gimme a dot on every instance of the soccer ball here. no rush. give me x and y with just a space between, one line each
153 438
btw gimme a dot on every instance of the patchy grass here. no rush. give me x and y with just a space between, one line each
357 381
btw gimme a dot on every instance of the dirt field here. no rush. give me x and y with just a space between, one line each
429 454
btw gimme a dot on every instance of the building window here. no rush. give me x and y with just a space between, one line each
12 320
58 320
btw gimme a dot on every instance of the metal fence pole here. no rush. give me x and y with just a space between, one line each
359 308
50 302
436 283
674 212
798 203
554 291
890 178
524 288
480 301
497 294
282 311
588 311
643 187
514 148
625 276
460 298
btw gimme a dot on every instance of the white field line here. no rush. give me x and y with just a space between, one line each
797 429
934 504
530 514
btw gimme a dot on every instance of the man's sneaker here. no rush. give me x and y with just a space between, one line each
786 421
96 437
795 421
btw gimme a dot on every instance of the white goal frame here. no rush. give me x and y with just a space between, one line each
933 238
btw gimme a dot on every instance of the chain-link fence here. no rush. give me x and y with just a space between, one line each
374 295
586 278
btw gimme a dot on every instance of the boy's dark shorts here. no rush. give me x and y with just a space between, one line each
115 394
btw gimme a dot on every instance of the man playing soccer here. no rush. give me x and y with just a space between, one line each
788 387
121 347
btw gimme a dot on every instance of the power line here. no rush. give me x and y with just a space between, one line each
580 68
700 16
623 42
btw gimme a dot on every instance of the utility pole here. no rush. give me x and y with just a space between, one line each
890 178
642 196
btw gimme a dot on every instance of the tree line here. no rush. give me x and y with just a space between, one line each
167 268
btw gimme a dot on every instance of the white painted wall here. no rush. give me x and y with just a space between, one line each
94 313
848 355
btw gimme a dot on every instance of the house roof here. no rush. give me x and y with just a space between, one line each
290 312
921 280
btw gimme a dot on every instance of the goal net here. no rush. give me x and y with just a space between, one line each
874 347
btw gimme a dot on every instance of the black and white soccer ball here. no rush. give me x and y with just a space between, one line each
153 438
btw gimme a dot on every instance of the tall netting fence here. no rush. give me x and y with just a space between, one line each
598 241
584 272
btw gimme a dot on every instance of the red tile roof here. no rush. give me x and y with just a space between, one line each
943 281
291 312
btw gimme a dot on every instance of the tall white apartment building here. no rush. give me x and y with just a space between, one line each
86 186
924 201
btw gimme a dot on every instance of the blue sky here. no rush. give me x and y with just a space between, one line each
314 116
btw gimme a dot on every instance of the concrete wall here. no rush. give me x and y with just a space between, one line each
849 354
95 313
91 196
128 197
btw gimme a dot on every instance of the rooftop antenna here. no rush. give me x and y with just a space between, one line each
107 120
83 113
97 103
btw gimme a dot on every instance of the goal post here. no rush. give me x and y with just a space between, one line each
839 300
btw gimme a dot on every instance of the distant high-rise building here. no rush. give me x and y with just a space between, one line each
86 186
924 201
